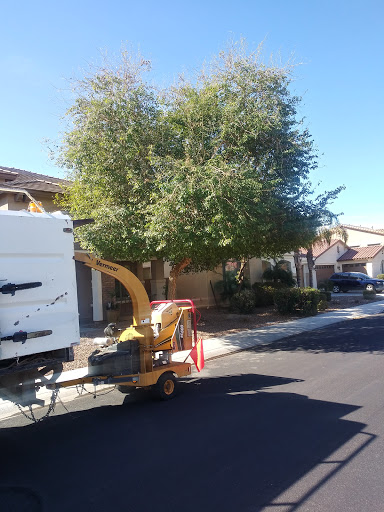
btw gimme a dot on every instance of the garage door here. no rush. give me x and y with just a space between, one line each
355 267
324 272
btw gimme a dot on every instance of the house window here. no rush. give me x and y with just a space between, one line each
285 265
338 249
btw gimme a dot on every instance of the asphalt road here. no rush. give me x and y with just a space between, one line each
293 426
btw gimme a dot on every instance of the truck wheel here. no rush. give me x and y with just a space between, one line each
166 386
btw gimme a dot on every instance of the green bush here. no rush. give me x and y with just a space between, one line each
263 294
326 286
243 302
228 286
277 274
380 276
325 295
286 300
322 305
369 294
303 301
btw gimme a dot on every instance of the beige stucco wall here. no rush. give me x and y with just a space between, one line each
331 256
362 239
254 270
377 265
14 202
197 287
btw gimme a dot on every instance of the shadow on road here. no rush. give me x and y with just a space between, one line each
359 335
224 443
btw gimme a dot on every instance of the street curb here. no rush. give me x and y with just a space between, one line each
216 347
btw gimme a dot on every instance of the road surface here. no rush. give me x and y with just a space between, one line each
293 426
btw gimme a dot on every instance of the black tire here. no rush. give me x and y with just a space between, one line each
370 288
336 288
166 386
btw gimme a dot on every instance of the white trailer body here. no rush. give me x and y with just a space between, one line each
37 247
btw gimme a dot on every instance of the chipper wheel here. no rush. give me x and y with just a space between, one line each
166 386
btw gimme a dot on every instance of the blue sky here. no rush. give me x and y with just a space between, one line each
340 44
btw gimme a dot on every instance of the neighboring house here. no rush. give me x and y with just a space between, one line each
42 188
369 260
365 252
288 263
326 256
359 236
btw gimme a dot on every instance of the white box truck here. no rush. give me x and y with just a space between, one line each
39 322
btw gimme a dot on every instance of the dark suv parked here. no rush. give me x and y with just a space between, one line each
344 281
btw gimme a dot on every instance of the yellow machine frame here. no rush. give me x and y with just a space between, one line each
141 330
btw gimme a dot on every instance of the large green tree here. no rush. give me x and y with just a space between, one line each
208 170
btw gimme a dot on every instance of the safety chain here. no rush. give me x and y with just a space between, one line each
80 388
51 408
54 398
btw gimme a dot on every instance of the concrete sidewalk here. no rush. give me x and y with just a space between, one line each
216 347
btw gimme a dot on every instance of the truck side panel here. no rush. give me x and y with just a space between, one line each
37 247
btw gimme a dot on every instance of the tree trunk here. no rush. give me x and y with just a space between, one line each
240 275
296 259
176 269
311 264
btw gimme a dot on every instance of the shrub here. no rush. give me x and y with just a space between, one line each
243 302
325 295
380 276
322 305
228 286
277 274
286 300
369 294
309 299
263 294
303 301
325 286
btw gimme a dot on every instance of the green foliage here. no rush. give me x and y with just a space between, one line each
277 274
243 302
323 305
302 301
211 169
228 286
263 294
369 294
286 300
325 295
380 276
326 286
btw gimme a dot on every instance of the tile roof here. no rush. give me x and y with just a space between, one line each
32 180
321 247
361 253
365 230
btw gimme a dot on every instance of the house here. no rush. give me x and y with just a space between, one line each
369 260
326 255
365 254
42 188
